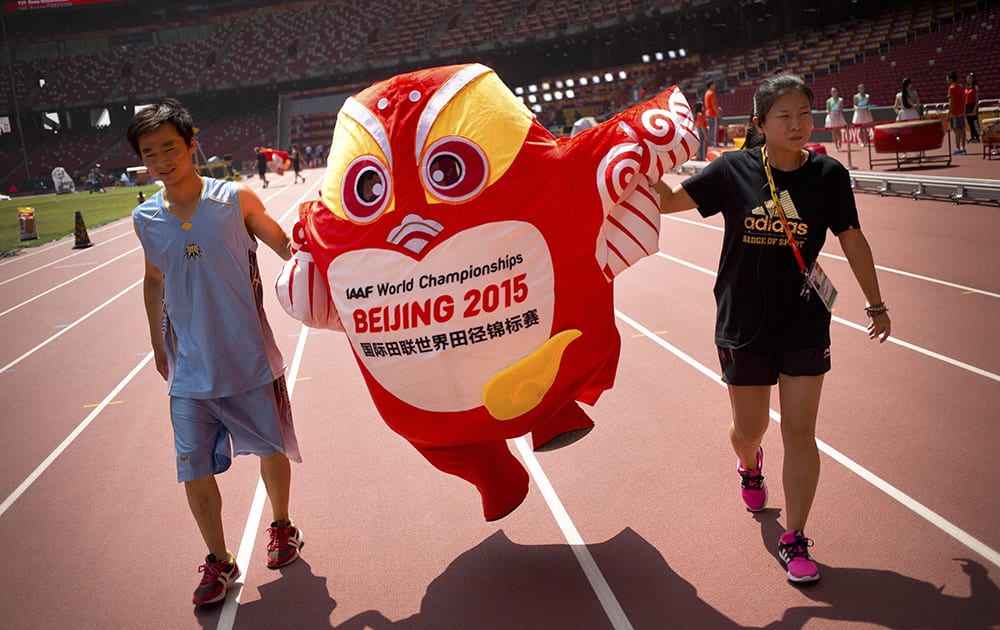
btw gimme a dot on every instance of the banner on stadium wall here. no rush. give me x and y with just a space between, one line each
31 5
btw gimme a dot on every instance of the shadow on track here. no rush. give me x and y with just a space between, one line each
887 598
501 584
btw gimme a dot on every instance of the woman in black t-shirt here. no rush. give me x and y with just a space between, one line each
771 327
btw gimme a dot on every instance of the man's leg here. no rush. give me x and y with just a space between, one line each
205 502
285 536
276 471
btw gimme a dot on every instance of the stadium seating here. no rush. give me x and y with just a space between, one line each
279 43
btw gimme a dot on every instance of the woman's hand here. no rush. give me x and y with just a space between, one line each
880 327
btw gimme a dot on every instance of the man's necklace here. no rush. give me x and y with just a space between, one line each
185 223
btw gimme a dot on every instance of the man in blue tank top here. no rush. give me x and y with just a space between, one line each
211 339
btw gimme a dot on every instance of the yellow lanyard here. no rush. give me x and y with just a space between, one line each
781 212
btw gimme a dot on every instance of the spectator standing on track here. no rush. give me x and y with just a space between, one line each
701 125
211 340
261 165
956 111
835 116
972 106
771 328
712 114
296 158
309 156
862 112
907 105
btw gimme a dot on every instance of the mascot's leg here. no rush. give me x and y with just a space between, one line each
564 427
491 467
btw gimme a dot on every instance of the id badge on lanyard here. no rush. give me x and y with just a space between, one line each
816 281
820 283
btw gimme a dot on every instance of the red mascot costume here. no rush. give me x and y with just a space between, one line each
469 256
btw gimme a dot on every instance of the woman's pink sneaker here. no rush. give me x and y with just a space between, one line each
752 484
793 549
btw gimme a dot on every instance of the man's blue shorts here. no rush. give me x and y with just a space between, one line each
208 432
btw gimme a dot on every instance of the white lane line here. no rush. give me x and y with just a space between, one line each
904 499
841 320
34 251
72 436
930 353
64 258
294 208
601 588
69 327
900 272
73 279
228 615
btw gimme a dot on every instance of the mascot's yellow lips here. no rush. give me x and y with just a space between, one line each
519 388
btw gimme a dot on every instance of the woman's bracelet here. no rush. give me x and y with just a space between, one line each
876 309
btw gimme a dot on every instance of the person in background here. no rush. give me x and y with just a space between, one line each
95 180
835 116
862 113
701 125
907 102
956 111
771 328
261 165
712 114
296 158
211 340
972 106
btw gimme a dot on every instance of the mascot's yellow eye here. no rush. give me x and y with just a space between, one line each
365 189
455 169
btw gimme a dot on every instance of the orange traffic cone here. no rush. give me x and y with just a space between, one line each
82 240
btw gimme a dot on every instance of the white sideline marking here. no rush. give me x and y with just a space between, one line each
55 262
907 501
68 327
73 279
597 582
841 320
33 251
900 272
75 433
227 617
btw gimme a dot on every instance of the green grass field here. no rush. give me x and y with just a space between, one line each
55 215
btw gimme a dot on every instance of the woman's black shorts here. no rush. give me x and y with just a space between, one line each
750 367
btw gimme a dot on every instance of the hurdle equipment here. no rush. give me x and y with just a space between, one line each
989 133
909 137
82 239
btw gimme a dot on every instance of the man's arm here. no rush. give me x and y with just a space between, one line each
261 225
152 297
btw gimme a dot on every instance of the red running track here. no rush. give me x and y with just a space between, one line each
639 525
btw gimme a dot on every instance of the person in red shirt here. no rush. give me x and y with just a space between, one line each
956 111
972 106
712 114
701 126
